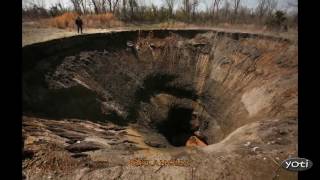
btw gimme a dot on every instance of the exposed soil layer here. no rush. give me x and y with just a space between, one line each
236 92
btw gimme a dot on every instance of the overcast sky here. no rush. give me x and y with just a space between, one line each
282 4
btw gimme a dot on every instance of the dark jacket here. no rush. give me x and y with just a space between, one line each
79 22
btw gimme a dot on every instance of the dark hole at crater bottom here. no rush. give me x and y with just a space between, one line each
177 128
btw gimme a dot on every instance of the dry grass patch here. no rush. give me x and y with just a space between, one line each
51 158
67 21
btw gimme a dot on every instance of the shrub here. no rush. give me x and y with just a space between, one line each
66 20
277 21
63 21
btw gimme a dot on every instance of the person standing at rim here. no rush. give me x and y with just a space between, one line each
79 24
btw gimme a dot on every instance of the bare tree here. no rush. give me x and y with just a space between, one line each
189 7
170 4
99 6
39 3
261 8
186 7
95 6
225 10
124 8
271 6
76 6
113 4
236 4
83 4
33 3
56 9
61 7
215 6
132 5
265 7
102 4
35 9
194 5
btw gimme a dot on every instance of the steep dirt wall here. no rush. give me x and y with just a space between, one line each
235 92
229 79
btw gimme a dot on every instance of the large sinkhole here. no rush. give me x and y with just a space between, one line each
160 79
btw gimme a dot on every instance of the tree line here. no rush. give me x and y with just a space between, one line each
216 11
